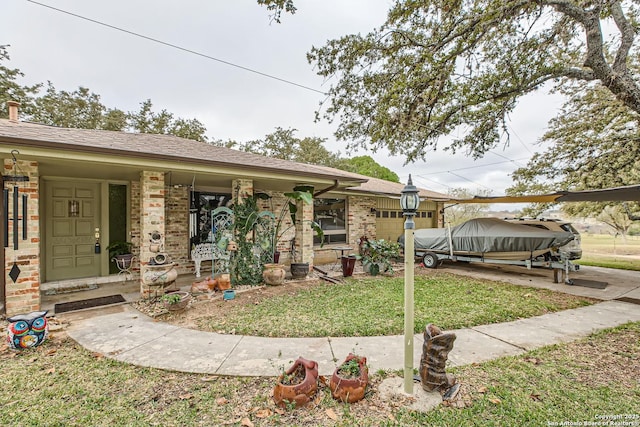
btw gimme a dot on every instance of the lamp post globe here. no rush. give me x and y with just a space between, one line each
409 200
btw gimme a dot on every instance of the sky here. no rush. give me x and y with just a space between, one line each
232 102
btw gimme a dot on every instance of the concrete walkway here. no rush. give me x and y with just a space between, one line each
124 334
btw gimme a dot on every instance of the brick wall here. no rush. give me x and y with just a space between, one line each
177 228
135 222
276 204
23 295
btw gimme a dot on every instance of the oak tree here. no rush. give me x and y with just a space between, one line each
459 67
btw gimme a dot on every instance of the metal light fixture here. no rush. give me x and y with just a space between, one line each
409 201
74 208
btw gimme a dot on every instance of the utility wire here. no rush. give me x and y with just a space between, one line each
471 167
473 182
435 182
520 139
180 48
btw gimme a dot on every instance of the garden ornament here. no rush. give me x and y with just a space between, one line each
27 330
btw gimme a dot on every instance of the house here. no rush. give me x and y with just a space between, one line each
70 192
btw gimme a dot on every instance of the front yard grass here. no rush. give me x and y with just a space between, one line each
375 306
62 384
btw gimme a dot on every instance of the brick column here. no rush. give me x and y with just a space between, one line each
361 218
23 295
152 192
304 233
241 187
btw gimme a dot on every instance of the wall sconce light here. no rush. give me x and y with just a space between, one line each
74 208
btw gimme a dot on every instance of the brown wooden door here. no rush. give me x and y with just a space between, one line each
72 215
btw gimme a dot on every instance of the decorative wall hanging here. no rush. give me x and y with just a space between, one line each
15 177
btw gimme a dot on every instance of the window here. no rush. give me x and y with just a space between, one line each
331 215
202 204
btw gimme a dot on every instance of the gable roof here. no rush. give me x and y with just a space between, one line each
173 148
154 146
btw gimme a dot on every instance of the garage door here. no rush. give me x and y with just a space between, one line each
390 222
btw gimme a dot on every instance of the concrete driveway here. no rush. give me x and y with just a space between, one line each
620 283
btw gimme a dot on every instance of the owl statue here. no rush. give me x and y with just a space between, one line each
27 330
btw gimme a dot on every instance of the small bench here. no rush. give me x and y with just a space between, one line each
201 251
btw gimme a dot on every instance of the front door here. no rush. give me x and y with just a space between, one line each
72 217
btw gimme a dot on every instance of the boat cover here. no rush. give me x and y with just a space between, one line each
486 235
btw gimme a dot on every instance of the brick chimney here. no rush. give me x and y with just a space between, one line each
13 110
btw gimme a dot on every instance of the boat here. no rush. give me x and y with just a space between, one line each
490 238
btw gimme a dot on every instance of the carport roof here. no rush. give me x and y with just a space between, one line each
614 194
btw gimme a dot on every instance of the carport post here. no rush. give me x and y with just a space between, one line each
409 201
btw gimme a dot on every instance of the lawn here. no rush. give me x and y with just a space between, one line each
62 384
602 250
369 306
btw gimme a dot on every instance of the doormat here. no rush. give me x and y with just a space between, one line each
590 283
87 303
629 299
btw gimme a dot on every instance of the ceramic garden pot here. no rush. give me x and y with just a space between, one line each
273 274
349 385
181 304
299 270
298 385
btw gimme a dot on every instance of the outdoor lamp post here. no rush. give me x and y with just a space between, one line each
409 202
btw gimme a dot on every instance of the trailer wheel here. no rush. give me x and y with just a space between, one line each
430 260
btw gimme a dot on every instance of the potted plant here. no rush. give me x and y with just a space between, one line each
377 255
120 253
349 380
297 385
174 301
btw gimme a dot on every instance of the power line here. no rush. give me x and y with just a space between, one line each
473 182
520 139
505 157
472 167
435 182
180 48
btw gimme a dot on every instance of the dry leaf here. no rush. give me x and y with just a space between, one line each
186 396
246 422
98 355
222 401
207 379
51 371
495 400
280 411
535 396
331 414
52 352
264 413
482 389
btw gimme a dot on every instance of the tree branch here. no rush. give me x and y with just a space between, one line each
627 36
